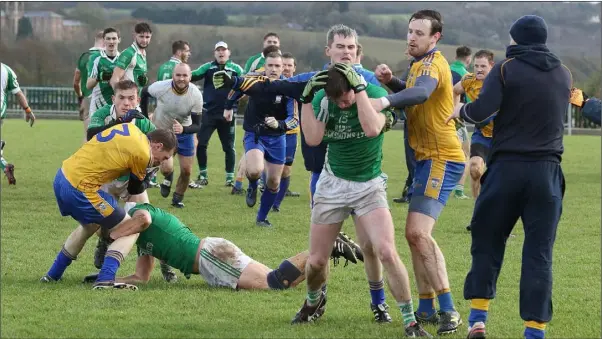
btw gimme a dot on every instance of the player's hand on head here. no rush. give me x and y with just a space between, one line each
222 79
356 81
177 127
316 83
271 122
383 73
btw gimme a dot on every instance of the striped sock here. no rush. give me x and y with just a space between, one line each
459 188
3 163
407 312
534 330
478 311
377 291
204 173
63 259
313 297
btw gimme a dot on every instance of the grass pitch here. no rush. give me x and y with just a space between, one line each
33 231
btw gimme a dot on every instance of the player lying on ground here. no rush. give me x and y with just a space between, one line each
218 261
104 118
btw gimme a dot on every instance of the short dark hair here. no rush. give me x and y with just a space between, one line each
433 16
463 52
485 53
273 55
289 55
271 49
271 34
109 30
178 46
165 136
142 27
336 85
124 85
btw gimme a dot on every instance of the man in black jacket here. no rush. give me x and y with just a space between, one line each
530 93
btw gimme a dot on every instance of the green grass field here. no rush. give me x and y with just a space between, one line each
33 231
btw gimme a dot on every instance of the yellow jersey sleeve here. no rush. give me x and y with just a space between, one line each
117 151
428 134
472 86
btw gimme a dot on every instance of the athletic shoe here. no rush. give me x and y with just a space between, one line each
477 331
106 285
449 322
168 273
433 319
237 191
290 193
165 188
251 197
341 249
9 171
46 279
356 248
381 313
308 313
415 330
264 223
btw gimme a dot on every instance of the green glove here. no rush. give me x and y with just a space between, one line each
222 79
390 120
316 83
356 82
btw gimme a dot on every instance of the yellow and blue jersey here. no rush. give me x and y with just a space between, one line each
472 87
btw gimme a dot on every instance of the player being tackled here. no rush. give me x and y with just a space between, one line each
218 261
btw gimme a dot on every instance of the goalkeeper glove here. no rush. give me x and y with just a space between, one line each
356 81
316 83
390 120
106 76
142 80
223 79
131 115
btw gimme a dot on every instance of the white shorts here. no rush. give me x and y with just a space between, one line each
118 189
335 198
221 262
462 134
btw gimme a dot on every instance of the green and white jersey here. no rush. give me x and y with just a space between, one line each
133 61
254 62
82 66
351 155
166 70
101 93
107 115
8 84
167 238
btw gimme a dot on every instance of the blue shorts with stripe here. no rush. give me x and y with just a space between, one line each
186 145
291 149
434 180
273 147
86 207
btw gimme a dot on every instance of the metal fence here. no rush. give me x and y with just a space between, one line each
61 103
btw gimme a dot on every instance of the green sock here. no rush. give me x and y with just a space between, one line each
229 176
4 163
313 297
204 173
407 312
459 189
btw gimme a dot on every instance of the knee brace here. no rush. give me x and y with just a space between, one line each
282 277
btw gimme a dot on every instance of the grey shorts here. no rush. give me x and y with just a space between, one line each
86 107
335 198
221 262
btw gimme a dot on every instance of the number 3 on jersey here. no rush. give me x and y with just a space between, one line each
121 129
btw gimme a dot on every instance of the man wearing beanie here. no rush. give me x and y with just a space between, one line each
530 93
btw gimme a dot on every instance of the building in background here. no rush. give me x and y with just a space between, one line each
46 24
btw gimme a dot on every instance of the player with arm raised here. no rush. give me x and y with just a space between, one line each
179 108
353 186
480 142
131 63
9 84
440 162
110 115
123 148
100 71
80 78
220 262
213 113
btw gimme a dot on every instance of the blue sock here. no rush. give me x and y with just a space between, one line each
312 185
110 266
446 304
426 305
377 291
533 333
63 259
476 316
253 184
267 201
284 183
238 185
